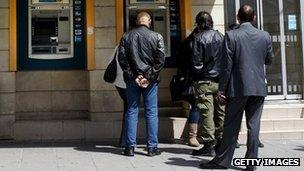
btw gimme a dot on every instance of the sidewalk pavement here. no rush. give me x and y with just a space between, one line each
92 156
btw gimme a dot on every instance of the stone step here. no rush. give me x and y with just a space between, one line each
79 115
107 129
162 112
274 111
276 135
168 112
56 115
275 121
279 124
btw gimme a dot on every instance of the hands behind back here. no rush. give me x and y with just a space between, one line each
142 82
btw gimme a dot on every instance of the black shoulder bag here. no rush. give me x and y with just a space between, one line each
111 71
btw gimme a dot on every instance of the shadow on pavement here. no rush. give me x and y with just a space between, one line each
177 150
193 163
186 163
39 144
94 148
79 146
300 148
110 149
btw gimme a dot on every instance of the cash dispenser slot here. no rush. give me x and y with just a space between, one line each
51 30
165 20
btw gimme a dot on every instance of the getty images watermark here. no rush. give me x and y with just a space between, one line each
266 162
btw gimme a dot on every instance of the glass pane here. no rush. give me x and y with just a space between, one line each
249 2
293 46
230 13
271 24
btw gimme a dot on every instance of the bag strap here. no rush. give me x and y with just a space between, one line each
114 55
116 52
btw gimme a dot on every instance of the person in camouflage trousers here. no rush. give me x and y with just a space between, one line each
207 53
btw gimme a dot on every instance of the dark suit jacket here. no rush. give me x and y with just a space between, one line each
245 52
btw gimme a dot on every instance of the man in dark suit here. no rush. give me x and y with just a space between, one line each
242 86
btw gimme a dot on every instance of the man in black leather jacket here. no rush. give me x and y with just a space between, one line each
207 52
141 57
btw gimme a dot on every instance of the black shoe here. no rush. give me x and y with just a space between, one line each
211 165
218 144
128 151
207 150
237 144
153 152
261 145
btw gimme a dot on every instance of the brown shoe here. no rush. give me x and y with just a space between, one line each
192 141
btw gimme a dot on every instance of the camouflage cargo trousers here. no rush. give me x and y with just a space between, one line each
212 113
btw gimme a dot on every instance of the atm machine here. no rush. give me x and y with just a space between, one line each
165 20
50 29
159 11
53 36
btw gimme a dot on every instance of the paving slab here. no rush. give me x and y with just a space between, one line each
81 156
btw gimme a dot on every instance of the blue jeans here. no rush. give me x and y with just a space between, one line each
134 93
194 114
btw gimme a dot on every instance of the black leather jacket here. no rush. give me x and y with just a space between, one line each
141 52
207 54
184 57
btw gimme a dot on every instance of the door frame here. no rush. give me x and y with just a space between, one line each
283 49
302 33
285 95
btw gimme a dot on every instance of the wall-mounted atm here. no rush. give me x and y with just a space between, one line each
50 29
51 34
165 20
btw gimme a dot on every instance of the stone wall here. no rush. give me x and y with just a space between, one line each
49 95
215 8
7 79
104 99
32 96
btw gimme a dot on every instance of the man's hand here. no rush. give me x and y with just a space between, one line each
142 82
221 98
138 80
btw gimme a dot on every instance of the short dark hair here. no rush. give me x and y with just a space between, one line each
204 20
246 13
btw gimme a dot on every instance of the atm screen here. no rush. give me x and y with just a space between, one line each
45 26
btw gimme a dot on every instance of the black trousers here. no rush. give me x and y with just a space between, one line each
235 107
122 94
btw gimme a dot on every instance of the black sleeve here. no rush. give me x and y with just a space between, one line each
197 56
123 61
226 62
270 56
217 52
159 60
181 58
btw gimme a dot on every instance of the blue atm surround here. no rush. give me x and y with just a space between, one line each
25 63
175 31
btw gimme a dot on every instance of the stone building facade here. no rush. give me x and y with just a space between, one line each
78 104
67 104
